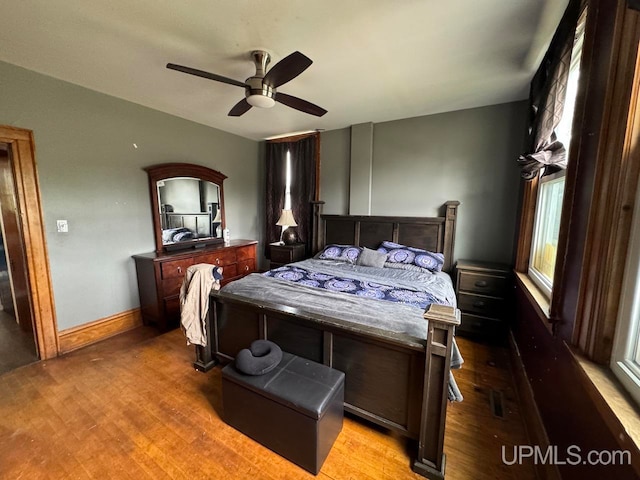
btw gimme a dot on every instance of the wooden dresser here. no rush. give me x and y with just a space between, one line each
483 291
160 276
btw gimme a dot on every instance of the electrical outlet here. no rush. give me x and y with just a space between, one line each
63 226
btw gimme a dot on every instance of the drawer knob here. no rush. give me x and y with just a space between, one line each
481 283
479 303
179 269
246 268
217 261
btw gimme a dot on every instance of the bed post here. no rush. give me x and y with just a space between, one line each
450 215
317 229
430 461
205 359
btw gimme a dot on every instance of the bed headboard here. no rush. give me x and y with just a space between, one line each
436 234
199 223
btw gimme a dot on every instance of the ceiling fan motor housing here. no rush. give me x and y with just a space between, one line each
258 93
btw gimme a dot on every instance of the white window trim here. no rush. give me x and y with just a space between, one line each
627 338
537 277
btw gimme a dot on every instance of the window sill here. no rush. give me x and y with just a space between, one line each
614 404
538 299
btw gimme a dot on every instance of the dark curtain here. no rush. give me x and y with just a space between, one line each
546 101
303 187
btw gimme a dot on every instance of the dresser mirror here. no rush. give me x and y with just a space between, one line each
187 203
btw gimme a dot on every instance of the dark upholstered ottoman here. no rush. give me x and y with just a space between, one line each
295 410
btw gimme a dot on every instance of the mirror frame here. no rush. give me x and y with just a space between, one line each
165 171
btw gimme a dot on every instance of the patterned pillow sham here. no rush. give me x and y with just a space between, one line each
340 253
398 254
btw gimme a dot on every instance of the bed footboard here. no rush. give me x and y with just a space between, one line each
430 461
398 383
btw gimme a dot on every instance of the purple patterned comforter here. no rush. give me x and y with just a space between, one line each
359 287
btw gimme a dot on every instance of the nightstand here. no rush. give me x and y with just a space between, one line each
483 291
282 254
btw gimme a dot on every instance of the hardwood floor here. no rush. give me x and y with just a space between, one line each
17 348
133 407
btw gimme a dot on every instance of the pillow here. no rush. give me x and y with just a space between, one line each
371 258
176 234
261 357
403 255
341 253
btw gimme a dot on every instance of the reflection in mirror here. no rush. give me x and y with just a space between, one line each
189 209
187 205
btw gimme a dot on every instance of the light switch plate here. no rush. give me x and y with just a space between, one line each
63 226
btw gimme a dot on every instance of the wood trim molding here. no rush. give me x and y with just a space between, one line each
89 333
23 165
527 220
292 138
536 433
615 187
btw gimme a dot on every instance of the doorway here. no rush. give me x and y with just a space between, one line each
27 320
17 336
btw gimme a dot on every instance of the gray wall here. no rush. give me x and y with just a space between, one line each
91 174
419 163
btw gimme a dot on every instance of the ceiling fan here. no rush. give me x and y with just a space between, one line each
261 89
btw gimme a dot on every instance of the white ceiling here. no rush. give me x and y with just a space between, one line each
374 60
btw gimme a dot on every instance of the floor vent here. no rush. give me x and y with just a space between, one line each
497 400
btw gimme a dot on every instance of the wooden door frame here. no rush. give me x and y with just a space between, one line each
23 166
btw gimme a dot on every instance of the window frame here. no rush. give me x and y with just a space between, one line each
534 274
626 344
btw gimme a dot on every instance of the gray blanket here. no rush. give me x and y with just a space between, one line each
387 319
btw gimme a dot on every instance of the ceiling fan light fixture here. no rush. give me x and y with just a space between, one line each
261 101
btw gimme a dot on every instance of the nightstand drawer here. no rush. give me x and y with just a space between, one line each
282 254
482 283
479 326
279 255
480 304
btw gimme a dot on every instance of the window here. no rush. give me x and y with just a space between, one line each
625 357
546 229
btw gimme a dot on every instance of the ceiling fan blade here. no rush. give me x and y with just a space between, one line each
203 74
240 108
299 104
287 69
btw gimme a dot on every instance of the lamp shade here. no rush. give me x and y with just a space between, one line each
286 219
218 218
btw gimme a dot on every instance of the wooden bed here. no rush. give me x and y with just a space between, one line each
199 223
394 380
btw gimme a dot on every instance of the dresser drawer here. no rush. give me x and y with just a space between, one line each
482 283
171 286
172 308
221 258
175 268
480 304
230 271
245 253
245 267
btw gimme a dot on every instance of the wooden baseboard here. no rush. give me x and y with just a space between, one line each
534 426
89 333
